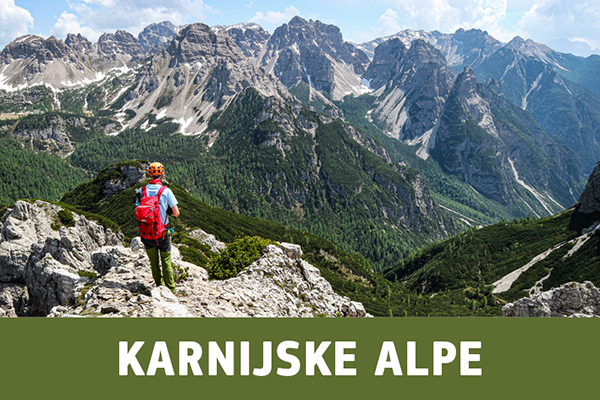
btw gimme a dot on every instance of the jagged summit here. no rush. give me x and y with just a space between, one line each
316 54
250 37
156 37
411 84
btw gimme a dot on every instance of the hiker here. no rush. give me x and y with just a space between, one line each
153 224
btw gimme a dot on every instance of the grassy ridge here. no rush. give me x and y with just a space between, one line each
482 256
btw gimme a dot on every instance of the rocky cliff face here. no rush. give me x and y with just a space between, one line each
250 37
47 268
120 44
589 202
411 87
500 151
314 53
201 70
461 48
561 107
31 60
569 300
156 37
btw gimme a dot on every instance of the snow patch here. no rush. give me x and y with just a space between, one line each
533 87
527 187
184 123
161 114
423 141
503 284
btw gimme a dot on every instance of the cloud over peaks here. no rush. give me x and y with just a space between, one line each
14 21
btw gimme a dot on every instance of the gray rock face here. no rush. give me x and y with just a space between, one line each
461 48
315 53
199 73
32 60
589 202
531 79
120 43
250 37
80 44
130 176
412 86
43 50
156 37
14 298
55 131
523 165
198 42
569 300
84 270
44 261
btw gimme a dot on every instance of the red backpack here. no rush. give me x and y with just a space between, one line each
147 213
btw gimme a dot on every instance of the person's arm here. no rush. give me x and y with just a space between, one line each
175 210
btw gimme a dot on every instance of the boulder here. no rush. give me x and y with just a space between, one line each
569 300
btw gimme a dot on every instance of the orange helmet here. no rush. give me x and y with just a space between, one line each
156 169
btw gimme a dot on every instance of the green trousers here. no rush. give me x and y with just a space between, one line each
164 277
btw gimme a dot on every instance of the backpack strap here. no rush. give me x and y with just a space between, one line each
144 191
160 192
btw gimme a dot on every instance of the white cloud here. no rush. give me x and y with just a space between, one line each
387 24
69 23
14 21
276 17
94 17
449 15
555 19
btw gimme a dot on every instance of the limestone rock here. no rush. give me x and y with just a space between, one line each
14 299
84 270
274 286
207 239
569 300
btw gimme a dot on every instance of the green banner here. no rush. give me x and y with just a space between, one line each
299 358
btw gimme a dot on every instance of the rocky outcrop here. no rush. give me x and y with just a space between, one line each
59 131
589 202
569 300
129 175
47 268
43 261
279 284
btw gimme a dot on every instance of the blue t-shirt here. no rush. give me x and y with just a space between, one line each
167 199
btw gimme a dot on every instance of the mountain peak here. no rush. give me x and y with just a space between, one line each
589 202
298 20
422 51
156 37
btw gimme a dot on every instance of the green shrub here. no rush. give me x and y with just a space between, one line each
66 217
237 256
87 274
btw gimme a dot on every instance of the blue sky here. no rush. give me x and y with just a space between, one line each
545 21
